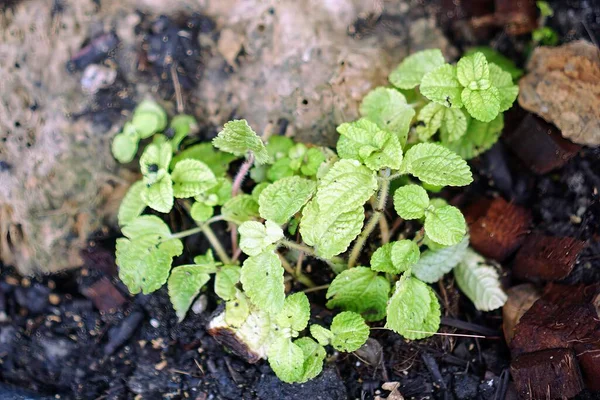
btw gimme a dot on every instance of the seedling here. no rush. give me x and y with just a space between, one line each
324 196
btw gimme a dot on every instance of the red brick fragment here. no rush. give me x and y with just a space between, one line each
497 227
547 374
539 145
547 258
105 296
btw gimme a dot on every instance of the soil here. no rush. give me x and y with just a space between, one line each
80 335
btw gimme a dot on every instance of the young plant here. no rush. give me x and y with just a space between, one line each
335 201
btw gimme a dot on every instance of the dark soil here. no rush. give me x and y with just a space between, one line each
80 335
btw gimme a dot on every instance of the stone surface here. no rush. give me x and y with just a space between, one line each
563 87
302 65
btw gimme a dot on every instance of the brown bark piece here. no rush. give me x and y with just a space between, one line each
565 316
539 145
563 87
547 374
520 299
547 257
497 227
105 296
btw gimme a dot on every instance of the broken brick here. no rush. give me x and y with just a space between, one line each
547 374
547 258
497 227
539 145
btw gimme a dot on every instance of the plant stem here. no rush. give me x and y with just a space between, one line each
235 189
373 221
300 277
204 227
395 176
297 246
241 174
316 288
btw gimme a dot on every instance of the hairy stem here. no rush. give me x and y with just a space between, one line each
309 252
316 288
235 189
373 221
300 277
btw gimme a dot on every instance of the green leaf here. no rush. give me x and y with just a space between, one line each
201 212
389 110
346 186
184 285
286 359
182 125
208 261
155 157
279 146
240 208
410 201
295 312
479 280
360 290
328 235
191 178
238 138
262 280
434 264
405 253
473 72
349 331
436 165
237 312
141 267
314 354
431 117
503 82
256 237
413 311
545 8
454 125
494 57
545 36
216 195
132 205
381 260
281 200
159 195
414 67
225 280
441 86
445 225
146 123
480 137
321 334
149 106
363 140
280 169
124 148
313 159
217 161
483 105
146 225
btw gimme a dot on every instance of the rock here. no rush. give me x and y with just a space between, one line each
547 374
563 87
